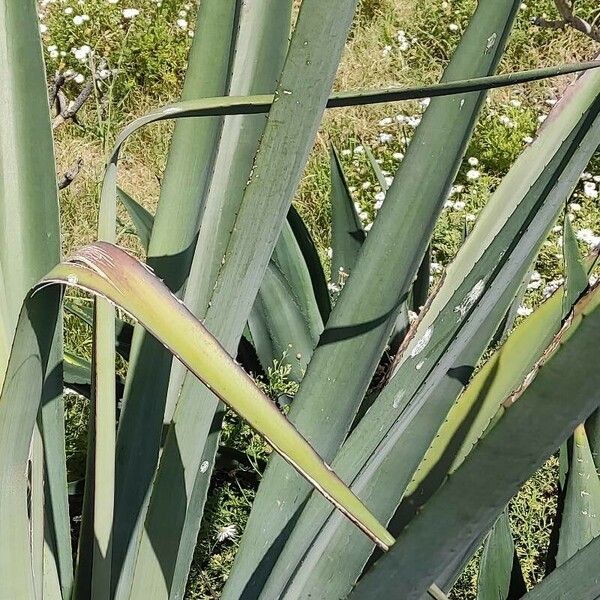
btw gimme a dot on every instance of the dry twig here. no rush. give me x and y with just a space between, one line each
566 9
70 174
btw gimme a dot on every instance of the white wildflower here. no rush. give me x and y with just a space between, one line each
68 10
473 161
359 150
552 287
587 236
78 20
82 52
524 311
515 103
389 180
528 139
459 205
397 156
182 23
470 218
542 118
366 185
453 27
43 28
79 78
425 102
130 13
589 189
386 121
575 206
585 176
473 174
346 152
228 532
386 50
385 138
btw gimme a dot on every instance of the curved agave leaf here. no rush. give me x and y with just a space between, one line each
106 270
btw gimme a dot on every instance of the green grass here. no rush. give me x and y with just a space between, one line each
148 56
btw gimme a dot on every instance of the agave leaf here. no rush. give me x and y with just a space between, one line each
77 375
576 277
377 169
592 428
279 330
379 473
448 88
285 319
313 262
143 221
500 576
31 374
123 329
261 45
106 270
347 233
289 260
303 88
188 174
580 515
577 579
29 247
357 331
535 421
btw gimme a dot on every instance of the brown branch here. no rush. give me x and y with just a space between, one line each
70 174
70 112
566 9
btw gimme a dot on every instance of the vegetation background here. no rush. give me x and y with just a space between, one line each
138 50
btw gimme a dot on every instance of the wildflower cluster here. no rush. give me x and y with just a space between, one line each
145 38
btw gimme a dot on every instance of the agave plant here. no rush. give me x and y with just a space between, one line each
423 461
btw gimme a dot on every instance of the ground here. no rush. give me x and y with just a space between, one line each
143 45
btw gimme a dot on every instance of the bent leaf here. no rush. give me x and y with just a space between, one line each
108 271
